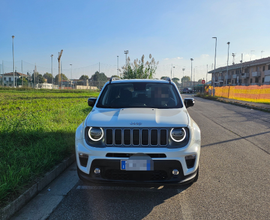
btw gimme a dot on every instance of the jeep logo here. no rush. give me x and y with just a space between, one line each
135 123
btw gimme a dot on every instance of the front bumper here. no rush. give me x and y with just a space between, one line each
110 172
165 161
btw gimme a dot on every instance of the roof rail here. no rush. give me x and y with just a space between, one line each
113 78
168 79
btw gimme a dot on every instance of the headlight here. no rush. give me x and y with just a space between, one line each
95 134
178 134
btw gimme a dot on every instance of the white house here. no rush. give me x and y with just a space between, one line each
8 78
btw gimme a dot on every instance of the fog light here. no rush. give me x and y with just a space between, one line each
175 172
83 159
190 161
97 171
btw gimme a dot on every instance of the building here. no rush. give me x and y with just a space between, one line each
256 72
8 78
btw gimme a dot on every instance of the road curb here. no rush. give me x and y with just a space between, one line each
239 103
17 204
249 105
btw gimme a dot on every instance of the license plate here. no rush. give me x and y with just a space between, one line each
136 165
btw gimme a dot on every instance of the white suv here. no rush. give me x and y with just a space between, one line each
138 131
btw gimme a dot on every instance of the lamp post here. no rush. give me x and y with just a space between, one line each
13 60
191 59
183 77
52 66
126 52
117 65
214 75
71 75
172 66
227 63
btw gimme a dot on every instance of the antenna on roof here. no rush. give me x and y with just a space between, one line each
167 79
113 78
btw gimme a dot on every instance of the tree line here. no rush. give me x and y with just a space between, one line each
138 69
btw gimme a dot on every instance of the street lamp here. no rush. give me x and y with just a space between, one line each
191 59
71 75
52 67
13 60
172 66
227 63
214 75
117 65
183 77
126 52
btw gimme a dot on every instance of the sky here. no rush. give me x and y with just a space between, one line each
93 33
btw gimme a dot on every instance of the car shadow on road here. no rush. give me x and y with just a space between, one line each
118 201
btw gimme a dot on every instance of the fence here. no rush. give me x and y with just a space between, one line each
252 93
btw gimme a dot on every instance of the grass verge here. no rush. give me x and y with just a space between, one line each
37 131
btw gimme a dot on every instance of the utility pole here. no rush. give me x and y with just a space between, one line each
172 66
228 63
117 65
183 77
22 71
71 76
126 52
3 72
206 72
99 67
59 74
52 66
191 59
35 75
13 60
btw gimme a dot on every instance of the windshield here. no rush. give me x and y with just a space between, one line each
139 95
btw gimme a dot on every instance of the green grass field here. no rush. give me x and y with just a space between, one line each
37 131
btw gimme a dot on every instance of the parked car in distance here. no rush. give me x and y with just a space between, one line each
139 131
187 90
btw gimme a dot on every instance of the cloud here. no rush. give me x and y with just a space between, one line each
179 58
166 59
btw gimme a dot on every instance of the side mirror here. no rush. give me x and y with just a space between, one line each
189 102
92 101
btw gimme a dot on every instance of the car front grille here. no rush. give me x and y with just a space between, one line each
136 137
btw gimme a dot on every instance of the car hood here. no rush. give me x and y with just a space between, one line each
137 117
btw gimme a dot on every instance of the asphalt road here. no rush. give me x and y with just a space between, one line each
234 180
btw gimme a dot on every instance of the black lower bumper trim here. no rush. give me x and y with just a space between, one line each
110 172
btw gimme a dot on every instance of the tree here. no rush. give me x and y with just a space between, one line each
139 69
84 77
63 77
185 79
99 77
48 76
37 78
200 81
175 79
25 81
